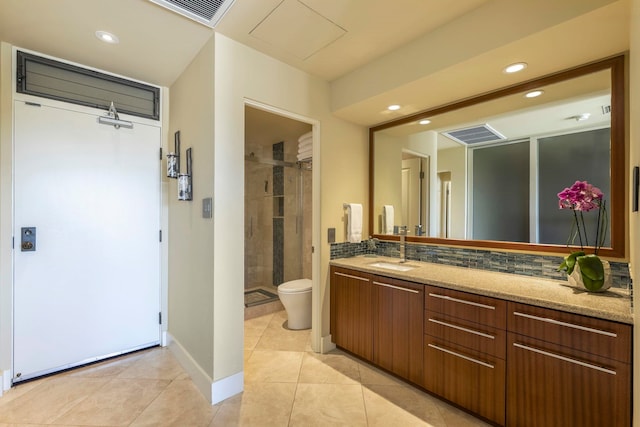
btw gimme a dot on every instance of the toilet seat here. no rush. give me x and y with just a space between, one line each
295 286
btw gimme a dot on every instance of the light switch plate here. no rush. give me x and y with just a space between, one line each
207 207
331 235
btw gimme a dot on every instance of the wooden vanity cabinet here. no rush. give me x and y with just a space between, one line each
351 311
379 319
464 351
398 309
566 369
510 363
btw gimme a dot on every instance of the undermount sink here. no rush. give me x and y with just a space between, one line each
392 266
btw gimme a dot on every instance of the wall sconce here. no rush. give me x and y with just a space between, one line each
173 159
185 185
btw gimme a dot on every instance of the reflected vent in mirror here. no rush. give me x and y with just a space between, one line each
475 135
205 12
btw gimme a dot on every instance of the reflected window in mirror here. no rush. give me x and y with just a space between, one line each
514 186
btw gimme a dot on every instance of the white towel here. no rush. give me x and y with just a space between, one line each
354 223
305 136
305 144
388 219
305 156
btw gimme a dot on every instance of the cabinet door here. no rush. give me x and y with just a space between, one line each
473 380
351 319
398 311
550 385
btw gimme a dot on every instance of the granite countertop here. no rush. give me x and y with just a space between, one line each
614 304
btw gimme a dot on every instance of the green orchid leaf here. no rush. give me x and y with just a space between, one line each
592 271
570 261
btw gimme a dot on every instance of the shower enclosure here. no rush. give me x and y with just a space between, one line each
277 216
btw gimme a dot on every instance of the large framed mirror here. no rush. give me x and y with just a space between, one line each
485 171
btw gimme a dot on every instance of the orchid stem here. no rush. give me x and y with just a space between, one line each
584 230
598 243
578 227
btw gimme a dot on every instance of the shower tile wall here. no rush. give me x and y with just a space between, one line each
295 228
258 219
278 215
273 233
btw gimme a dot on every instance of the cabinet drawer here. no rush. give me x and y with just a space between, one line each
554 386
475 308
469 379
481 338
596 336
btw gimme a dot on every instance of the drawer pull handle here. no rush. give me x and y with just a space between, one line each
386 285
566 359
462 356
471 331
569 325
351 277
475 304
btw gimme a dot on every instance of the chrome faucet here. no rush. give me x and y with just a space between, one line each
402 231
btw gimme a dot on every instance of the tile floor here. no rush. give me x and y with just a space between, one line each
286 384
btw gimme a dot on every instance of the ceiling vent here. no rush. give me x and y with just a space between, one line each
475 135
207 12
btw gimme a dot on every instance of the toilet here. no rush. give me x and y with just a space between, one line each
295 296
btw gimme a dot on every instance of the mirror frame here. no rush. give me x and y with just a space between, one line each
617 199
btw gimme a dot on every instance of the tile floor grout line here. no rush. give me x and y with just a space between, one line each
151 402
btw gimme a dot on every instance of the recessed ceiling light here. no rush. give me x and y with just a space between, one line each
393 107
514 68
107 37
534 93
424 122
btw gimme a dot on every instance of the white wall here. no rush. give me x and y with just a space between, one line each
191 237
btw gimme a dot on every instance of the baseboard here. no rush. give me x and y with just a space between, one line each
227 387
326 345
203 382
6 381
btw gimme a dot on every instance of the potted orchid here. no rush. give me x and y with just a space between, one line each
585 270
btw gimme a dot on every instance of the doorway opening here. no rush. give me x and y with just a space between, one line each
278 208
444 197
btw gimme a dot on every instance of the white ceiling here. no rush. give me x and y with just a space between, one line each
418 53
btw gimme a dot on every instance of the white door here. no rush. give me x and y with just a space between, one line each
91 287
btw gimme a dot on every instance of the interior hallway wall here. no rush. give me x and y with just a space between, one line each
191 237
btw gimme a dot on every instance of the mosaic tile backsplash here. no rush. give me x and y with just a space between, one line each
545 266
